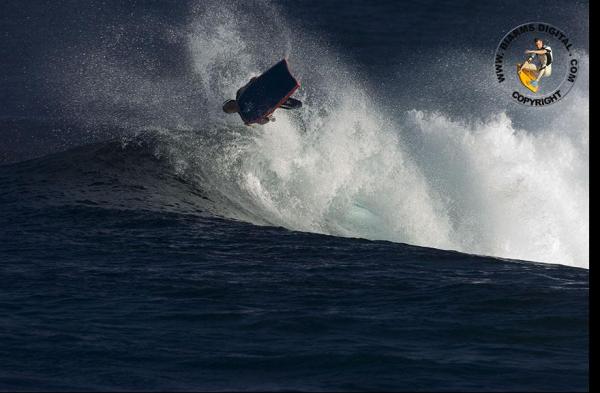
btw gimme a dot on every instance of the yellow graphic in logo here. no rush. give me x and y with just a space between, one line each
526 76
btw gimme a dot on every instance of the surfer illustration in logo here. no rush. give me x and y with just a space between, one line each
537 65
531 81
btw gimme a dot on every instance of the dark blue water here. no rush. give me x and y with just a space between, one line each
130 259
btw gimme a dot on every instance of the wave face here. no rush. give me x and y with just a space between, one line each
100 298
119 275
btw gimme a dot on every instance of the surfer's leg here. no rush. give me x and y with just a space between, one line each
542 72
548 71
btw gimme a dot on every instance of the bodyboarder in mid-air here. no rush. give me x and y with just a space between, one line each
256 101
231 106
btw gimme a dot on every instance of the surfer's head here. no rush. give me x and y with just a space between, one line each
538 43
231 106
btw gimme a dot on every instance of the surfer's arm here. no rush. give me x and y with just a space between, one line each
537 52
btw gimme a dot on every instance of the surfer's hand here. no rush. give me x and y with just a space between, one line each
271 119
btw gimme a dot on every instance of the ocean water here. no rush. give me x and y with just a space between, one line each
408 230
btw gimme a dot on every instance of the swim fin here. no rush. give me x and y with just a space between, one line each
291 103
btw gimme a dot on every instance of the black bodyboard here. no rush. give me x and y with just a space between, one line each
267 93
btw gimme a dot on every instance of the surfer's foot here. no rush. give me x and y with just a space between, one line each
534 83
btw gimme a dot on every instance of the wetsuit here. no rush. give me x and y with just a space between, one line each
545 61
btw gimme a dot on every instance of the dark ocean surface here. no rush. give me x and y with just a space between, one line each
150 242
